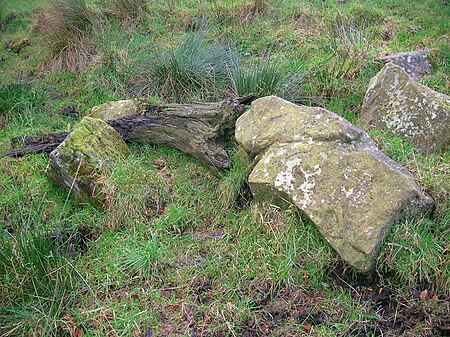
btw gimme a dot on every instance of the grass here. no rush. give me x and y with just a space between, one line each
19 101
192 68
38 280
68 34
263 78
178 249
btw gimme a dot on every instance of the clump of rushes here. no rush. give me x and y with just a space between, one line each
70 25
194 68
348 51
263 78
144 260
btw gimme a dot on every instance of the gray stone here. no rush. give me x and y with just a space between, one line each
414 63
332 172
78 163
397 103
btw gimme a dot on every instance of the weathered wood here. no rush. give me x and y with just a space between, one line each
43 143
198 129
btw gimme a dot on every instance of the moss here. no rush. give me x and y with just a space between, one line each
95 139
78 163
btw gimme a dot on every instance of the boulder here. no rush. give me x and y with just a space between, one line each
332 171
79 161
414 63
394 101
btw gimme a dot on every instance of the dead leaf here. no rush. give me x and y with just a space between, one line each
166 330
265 328
424 296
78 332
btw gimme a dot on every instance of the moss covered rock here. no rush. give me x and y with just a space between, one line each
332 172
78 163
394 101
272 120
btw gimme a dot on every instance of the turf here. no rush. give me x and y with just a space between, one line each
180 249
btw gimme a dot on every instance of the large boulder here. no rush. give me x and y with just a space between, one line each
332 172
394 101
78 163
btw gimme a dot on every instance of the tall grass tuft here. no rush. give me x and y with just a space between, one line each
70 24
195 67
347 54
259 79
263 78
37 281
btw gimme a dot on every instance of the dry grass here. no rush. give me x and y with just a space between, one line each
68 35
126 11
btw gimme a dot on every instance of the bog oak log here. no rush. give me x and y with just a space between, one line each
198 129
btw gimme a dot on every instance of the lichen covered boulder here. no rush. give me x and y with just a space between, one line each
118 109
78 163
414 63
395 102
273 120
332 172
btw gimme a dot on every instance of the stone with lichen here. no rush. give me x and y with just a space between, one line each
414 63
332 172
79 162
394 101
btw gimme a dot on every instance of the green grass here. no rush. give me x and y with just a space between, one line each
263 79
195 67
171 253
38 279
